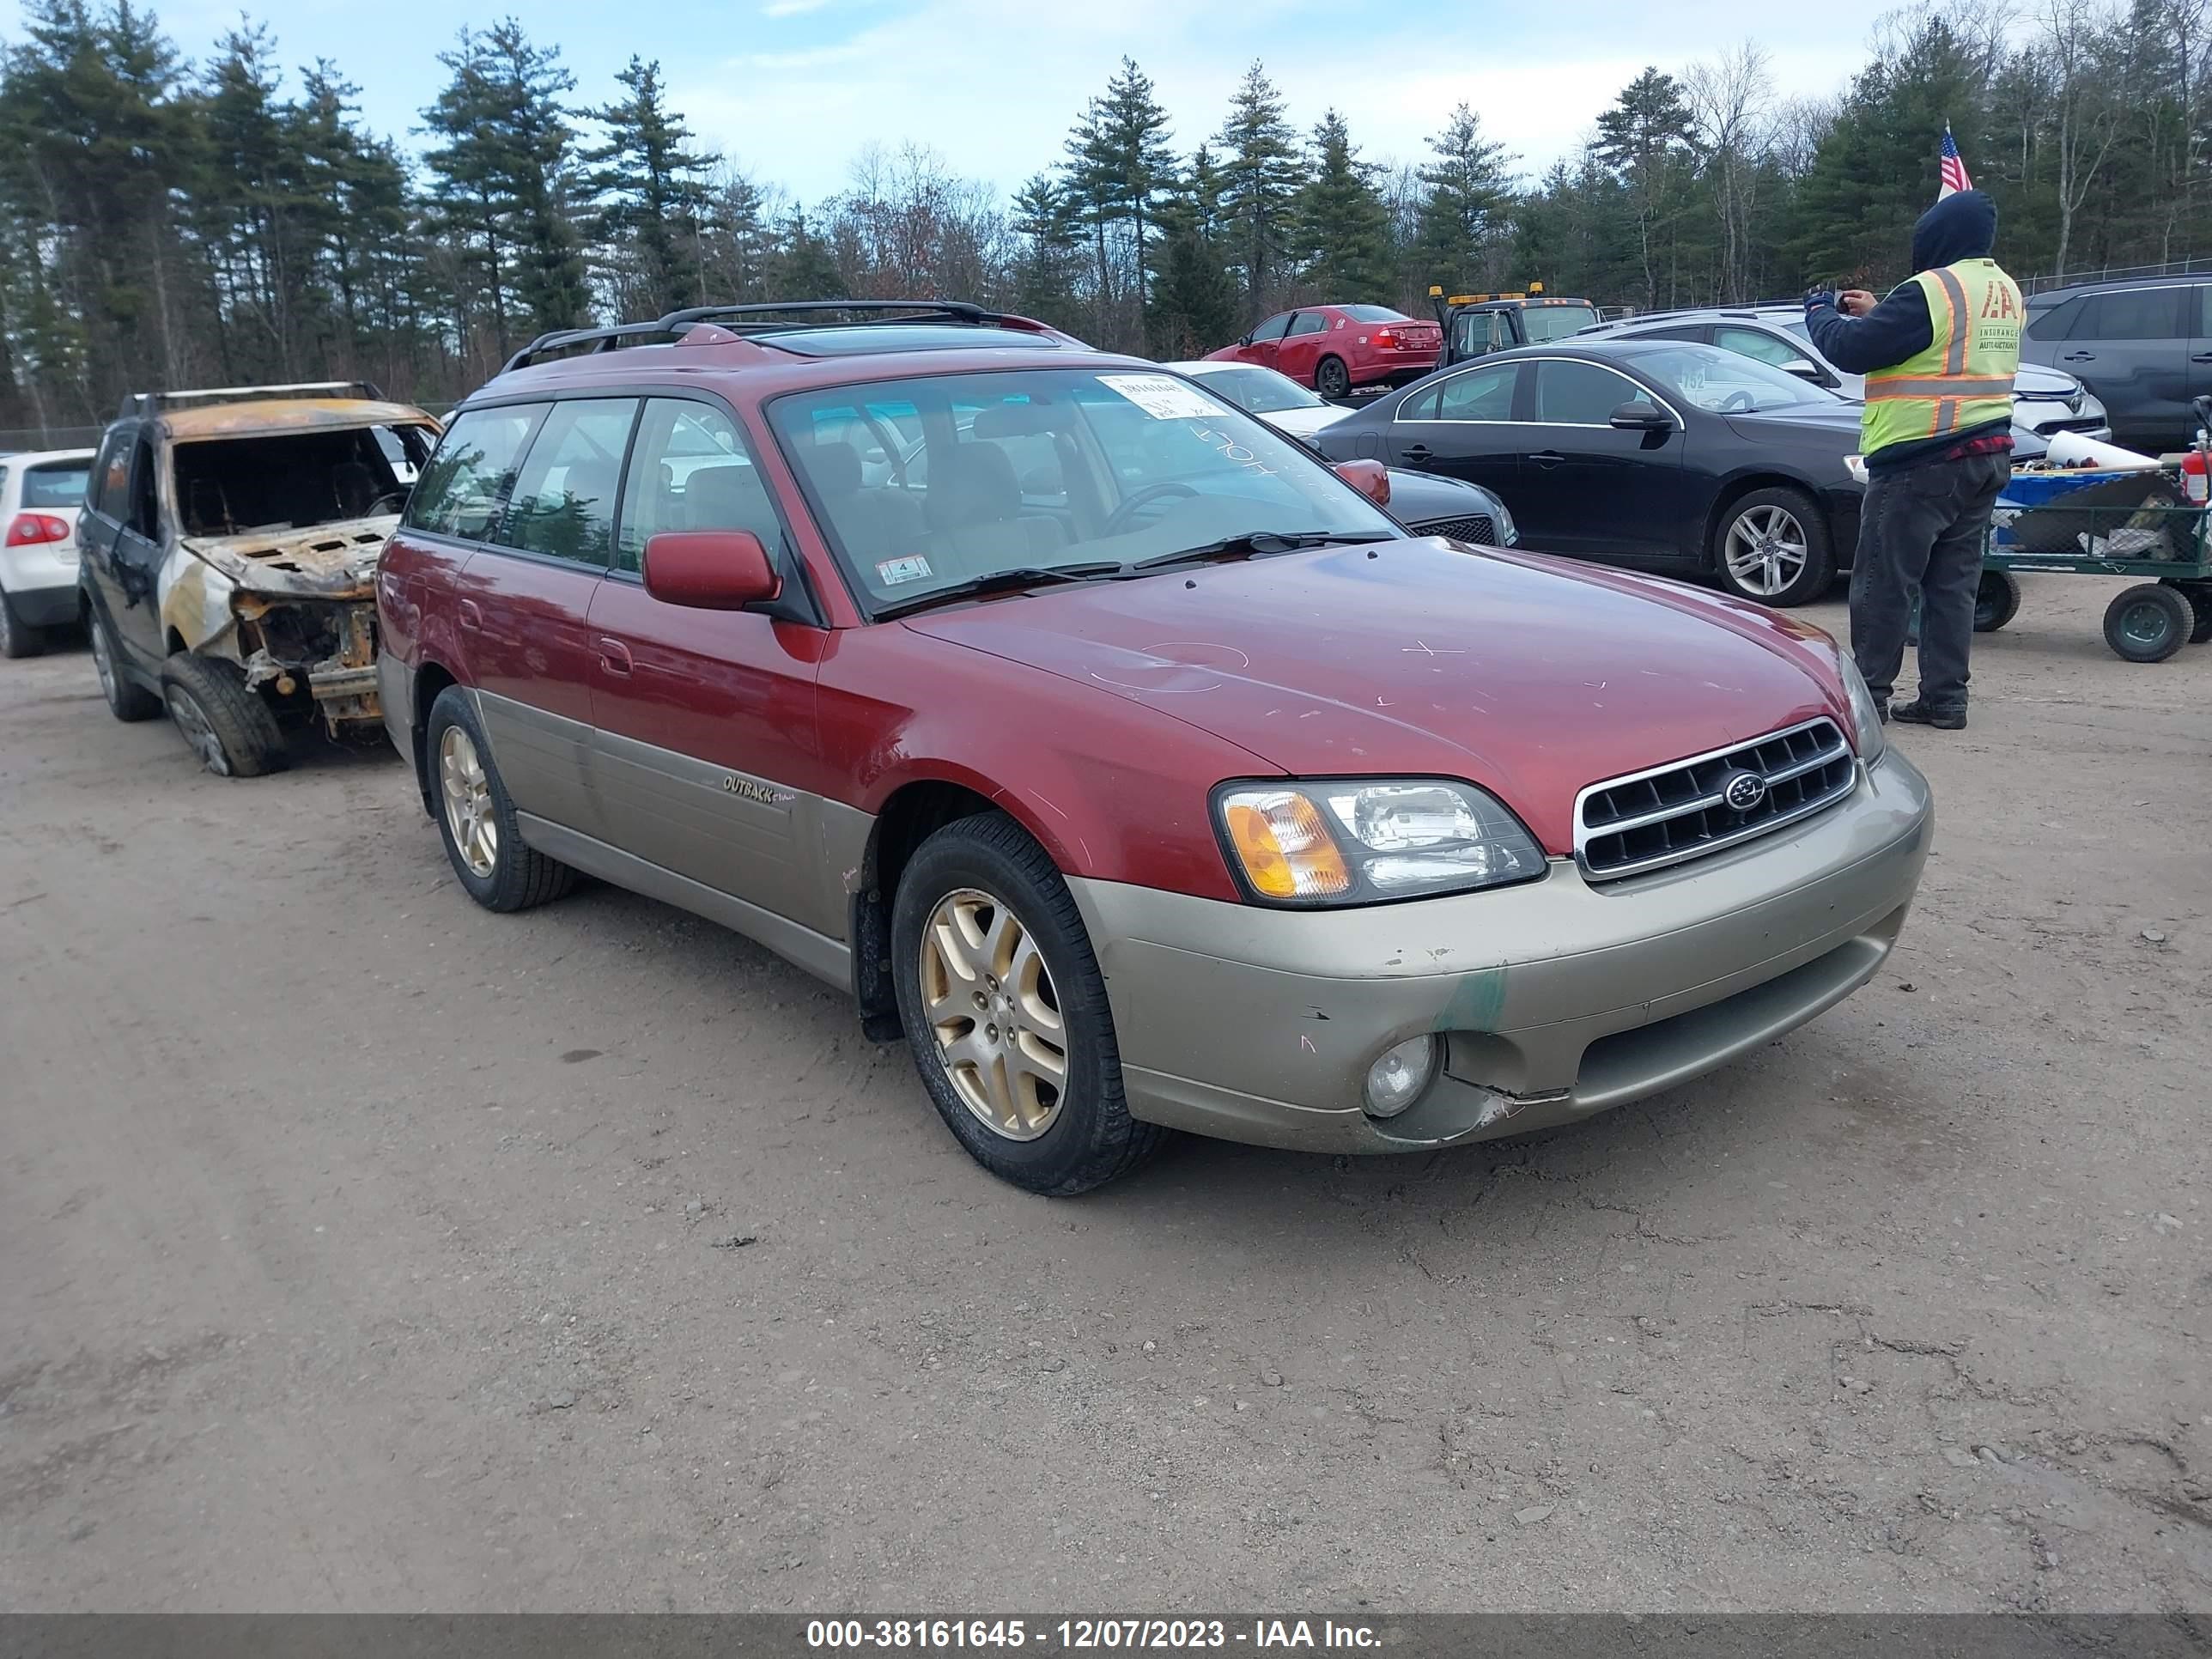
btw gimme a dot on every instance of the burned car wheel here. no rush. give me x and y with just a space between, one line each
221 718
476 817
127 700
1005 1011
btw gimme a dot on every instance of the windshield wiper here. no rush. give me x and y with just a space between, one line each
1000 581
1253 541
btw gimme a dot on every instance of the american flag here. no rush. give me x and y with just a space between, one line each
1952 170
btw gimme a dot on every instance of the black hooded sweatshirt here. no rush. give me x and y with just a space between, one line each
1963 226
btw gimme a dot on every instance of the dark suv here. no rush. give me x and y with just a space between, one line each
2143 345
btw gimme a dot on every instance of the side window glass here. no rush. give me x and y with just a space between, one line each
460 490
1480 394
2056 322
1309 322
1272 328
2201 313
2152 313
691 469
109 489
564 503
1581 394
145 493
1758 345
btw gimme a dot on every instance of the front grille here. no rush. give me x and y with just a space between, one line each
1652 819
1477 529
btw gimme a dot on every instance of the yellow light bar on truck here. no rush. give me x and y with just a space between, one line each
1467 299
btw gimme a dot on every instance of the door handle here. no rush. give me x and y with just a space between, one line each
614 657
2200 356
2079 358
471 618
1420 454
1548 458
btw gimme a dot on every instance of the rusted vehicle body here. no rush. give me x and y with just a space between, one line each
226 560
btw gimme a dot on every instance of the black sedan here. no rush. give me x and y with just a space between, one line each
1678 458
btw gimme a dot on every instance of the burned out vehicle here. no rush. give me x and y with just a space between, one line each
226 560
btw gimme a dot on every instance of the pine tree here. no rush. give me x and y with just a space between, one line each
1343 227
1048 223
1469 200
650 195
1261 175
1646 136
804 266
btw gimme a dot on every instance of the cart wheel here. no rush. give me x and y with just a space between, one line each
2149 623
1996 601
2199 595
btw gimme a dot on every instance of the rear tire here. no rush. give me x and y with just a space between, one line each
221 718
496 869
17 637
2149 623
127 700
2199 596
1997 602
1015 1006
1331 379
1771 547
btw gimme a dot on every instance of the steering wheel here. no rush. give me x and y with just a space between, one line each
1738 402
397 500
1118 520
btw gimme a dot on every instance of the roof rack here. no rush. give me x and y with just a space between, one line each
759 317
148 403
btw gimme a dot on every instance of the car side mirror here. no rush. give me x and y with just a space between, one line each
1640 416
1370 478
1803 370
709 570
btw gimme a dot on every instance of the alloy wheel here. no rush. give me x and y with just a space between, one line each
1766 550
994 1014
470 818
198 731
102 664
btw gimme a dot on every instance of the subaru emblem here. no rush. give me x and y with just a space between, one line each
1742 791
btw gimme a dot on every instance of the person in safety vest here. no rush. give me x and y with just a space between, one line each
1939 356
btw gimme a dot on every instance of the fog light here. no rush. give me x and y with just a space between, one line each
1396 1079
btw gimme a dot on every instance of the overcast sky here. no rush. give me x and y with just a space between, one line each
793 89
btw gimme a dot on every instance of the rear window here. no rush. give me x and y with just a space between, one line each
1374 314
61 484
1542 323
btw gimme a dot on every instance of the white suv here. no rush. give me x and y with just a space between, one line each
40 496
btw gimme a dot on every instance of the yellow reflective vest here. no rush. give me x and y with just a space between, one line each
1964 378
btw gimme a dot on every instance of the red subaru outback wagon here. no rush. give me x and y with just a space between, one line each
1114 751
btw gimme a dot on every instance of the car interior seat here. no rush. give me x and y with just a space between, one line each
207 512
875 524
973 511
354 487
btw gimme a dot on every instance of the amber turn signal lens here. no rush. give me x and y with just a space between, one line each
1286 849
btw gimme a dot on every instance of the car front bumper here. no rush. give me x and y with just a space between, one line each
1554 999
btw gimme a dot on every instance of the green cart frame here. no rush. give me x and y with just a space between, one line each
2163 548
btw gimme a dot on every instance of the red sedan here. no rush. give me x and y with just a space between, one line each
1115 752
1335 348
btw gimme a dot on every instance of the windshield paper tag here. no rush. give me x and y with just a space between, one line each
1164 397
912 568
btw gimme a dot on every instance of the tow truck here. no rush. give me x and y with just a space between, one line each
1476 324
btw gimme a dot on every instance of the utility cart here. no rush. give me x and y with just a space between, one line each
2136 524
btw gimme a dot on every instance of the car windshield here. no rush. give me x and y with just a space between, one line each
1543 323
1259 391
1724 383
1043 469
1374 314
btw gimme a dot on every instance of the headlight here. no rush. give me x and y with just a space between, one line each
1365 841
1509 534
1866 718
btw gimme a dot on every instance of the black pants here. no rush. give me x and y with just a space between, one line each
1920 535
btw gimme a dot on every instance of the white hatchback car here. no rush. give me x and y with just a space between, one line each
40 493
1276 398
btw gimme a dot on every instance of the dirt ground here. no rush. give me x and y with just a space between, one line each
364 1251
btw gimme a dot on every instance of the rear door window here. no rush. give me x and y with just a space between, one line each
2145 314
691 469
1309 322
461 489
1759 345
564 502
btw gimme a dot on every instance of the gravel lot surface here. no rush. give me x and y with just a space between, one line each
364 1251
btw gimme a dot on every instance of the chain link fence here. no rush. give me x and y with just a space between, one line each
16 439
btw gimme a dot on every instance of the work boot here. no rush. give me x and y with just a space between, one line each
1917 712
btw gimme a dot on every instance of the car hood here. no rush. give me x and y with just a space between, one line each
1530 677
326 560
2035 380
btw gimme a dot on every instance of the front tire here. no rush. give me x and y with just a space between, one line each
1005 1011
2199 596
476 814
222 719
17 637
1770 546
1331 379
